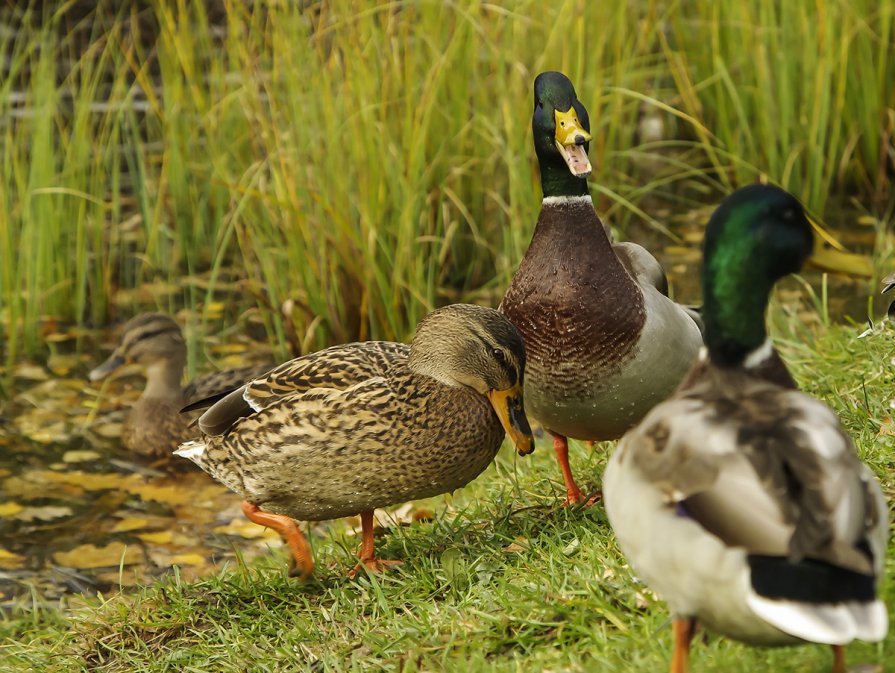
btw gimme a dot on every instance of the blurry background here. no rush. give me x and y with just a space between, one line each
287 175
333 170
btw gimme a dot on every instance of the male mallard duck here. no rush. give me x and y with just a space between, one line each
740 500
604 343
365 425
155 426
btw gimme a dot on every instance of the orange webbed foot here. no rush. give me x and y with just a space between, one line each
302 563
367 554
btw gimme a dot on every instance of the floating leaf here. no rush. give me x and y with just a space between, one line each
90 481
10 508
129 524
30 372
82 456
156 537
91 556
244 528
188 560
46 513
164 559
10 560
107 430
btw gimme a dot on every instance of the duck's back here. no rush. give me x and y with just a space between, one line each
334 450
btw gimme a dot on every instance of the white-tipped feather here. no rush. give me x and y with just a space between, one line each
250 399
830 624
191 450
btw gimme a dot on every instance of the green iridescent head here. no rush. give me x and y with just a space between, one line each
561 130
757 235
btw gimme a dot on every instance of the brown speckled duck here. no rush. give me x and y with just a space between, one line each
155 427
741 500
365 425
604 343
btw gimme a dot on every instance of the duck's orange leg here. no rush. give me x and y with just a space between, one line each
839 659
573 493
684 630
289 531
367 552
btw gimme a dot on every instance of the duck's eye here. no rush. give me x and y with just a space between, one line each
499 355
789 214
541 105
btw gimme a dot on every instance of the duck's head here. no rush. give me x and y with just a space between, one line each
152 340
757 235
477 347
561 130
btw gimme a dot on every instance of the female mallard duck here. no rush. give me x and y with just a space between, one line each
366 425
155 426
740 500
604 344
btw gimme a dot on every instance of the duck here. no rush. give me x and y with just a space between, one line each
740 500
154 426
604 342
360 426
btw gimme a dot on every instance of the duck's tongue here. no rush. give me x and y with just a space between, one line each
576 159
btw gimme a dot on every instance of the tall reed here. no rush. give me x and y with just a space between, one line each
355 164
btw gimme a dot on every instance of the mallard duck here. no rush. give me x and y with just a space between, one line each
604 342
741 500
365 425
155 427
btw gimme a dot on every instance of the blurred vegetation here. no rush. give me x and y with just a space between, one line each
343 167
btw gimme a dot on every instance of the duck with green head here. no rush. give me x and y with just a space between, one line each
740 500
604 343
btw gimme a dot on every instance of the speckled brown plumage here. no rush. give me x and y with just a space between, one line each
365 425
155 427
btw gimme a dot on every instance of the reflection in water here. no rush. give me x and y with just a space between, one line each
77 515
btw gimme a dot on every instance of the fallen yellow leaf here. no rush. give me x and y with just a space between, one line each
10 508
80 456
46 513
171 495
245 528
157 537
188 559
90 481
130 523
10 560
91 556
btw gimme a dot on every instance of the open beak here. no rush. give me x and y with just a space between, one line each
114 362
570 138
508 405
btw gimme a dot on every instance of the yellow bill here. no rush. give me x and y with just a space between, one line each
510 411
830 255
570 138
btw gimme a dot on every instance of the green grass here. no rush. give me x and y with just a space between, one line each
353 165
504 580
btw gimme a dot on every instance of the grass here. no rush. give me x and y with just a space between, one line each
359 164
503 580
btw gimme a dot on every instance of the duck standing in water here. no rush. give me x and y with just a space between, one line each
365 425
740 500
604 343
